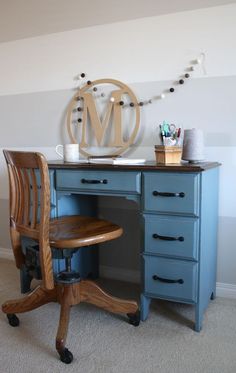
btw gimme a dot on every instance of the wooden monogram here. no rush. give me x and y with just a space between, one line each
111 132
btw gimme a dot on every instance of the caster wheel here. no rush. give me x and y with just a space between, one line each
66 356
13 319
134 318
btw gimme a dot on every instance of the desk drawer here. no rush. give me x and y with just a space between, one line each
172 236
171 279
172 192
104 181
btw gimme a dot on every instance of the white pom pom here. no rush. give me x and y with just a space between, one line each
163 95
112 99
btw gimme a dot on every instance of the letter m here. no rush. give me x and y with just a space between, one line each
100 127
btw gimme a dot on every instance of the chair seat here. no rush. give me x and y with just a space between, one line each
70 232
77 231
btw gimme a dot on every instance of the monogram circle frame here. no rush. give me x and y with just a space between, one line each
89 117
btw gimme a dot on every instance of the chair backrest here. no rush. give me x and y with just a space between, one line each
30 207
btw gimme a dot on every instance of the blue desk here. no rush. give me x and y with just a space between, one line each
178 206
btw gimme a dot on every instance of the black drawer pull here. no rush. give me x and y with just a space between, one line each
168 238
168 194
168 281
91 181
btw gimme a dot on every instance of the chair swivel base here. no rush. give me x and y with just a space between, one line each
67 277
69 295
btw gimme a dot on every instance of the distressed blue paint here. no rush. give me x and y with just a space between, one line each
170 270
145 302
173 183
184 229
208 243
118 181
193 217
199 272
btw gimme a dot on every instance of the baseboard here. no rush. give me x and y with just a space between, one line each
225 290
222 290
6 253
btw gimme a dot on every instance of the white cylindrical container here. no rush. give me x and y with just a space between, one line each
193 145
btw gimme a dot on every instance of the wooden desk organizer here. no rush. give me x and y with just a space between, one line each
168 154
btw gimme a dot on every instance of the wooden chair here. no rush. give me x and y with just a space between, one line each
69 232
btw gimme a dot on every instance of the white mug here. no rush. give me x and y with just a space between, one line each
70 152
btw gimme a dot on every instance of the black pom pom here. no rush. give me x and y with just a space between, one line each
82 75
141 103
181 81
121 103
89 82
187 75
131 104
79 108
172 89
79 120
95 89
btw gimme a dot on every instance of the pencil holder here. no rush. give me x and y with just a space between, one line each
168 154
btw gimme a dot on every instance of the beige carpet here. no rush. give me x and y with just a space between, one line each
106 343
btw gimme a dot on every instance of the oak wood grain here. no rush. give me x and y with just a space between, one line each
20 166
78 231
64 318
35 299
69 232
92 293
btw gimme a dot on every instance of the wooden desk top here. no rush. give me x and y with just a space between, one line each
148 166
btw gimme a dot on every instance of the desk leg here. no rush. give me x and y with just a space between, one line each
198 317
201 307
144 307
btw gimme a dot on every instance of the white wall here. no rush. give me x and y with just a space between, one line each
149 54
148 49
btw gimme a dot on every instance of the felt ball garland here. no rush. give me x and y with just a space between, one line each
180 81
